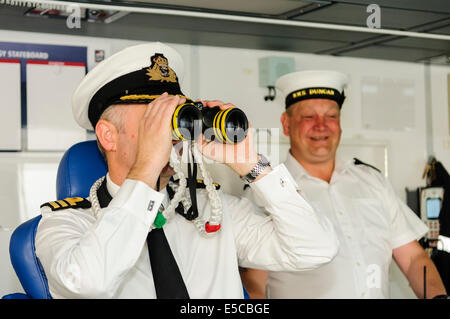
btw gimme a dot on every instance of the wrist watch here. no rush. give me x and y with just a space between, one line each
257 169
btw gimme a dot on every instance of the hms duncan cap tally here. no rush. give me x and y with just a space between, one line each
303 85
137 74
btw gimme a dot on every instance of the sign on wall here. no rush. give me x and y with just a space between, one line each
23 53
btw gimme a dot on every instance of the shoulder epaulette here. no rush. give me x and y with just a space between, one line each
359 162
201 184
71 202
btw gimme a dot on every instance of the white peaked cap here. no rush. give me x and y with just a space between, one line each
294 82
122 63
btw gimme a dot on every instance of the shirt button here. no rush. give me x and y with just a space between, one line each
349 237
282 182
358 264
363 294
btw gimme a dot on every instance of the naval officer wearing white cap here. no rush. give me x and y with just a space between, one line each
122 243
373 225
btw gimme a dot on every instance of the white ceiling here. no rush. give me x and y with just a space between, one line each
431 16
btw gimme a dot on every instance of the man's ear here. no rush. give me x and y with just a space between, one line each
284 119
107 135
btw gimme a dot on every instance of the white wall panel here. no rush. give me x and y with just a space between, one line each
27 180
441 113
50 123
231 75
9 283
10 107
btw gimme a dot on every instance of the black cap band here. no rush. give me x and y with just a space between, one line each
134 87
315 93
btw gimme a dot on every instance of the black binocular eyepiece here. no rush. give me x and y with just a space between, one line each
224 126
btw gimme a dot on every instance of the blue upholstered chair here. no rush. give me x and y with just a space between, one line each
80 167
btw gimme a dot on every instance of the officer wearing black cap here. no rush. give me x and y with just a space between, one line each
372 223
135 236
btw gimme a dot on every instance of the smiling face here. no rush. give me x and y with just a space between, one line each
313 127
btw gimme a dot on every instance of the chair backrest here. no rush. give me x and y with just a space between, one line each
81 165
24 261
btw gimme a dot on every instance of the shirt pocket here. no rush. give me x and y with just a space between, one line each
374 219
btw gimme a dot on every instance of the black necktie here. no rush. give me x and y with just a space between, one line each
167 278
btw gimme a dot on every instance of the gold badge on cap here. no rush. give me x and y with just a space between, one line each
159 70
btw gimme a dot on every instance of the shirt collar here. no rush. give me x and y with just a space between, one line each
294 167
113 188
341 166
298 171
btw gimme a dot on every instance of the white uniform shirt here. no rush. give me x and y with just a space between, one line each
369 220
107 257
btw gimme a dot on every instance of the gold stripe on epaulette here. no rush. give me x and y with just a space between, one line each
71 202
54 204
63 203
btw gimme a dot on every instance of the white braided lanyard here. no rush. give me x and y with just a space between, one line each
206 226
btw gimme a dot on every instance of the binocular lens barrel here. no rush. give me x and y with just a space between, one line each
228 126
186 122
224 126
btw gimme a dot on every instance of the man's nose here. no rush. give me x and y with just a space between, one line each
319 122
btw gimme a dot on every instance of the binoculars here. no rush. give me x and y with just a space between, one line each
224 126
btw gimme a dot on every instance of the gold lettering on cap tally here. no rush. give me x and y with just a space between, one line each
321 91
298 94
